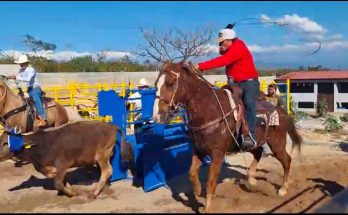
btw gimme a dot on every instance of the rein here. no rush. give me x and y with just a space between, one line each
224 116
171 102
11 112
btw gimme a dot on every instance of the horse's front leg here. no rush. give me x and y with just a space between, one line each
194 176
214 173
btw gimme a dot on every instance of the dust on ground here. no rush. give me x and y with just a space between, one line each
316 176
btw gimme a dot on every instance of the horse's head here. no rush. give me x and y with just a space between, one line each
172 89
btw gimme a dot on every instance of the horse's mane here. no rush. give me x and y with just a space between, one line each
3 83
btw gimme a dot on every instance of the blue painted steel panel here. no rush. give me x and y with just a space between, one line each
160 151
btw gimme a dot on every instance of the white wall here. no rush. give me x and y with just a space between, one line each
340 97
49 79
312 97
305 97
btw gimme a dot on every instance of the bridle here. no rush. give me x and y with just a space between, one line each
171 102
13 111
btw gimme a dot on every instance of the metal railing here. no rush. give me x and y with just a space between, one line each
83 97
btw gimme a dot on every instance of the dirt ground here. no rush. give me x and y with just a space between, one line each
321 174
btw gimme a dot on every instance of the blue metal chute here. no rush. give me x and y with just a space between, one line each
161 151
15 140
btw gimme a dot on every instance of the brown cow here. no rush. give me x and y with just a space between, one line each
54 150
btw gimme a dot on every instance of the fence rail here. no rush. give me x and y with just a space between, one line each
82 97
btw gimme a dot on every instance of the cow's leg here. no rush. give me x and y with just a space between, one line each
194 177
59 183
106 172
214 173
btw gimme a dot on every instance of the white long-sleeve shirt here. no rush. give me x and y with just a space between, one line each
29 76
137 100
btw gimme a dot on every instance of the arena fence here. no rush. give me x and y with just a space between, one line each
82 97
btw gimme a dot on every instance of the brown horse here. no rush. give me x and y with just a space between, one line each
177 84
9 101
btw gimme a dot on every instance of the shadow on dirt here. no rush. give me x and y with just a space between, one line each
80 176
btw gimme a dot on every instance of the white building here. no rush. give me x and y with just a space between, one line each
309 87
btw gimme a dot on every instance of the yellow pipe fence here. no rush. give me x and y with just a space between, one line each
83 97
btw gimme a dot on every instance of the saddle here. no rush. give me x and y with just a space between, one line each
33 113
262 106
241 123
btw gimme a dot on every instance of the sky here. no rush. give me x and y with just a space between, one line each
86 28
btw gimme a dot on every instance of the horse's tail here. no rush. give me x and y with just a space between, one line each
297 140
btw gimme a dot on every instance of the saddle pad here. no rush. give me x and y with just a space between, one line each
233 105
273 118
51 103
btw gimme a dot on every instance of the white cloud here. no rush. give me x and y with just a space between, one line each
112 55
330 45
282 48
68 55
264 17
288 48
336 37
211 49
298 24
335 45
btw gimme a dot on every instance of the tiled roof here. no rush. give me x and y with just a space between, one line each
314 75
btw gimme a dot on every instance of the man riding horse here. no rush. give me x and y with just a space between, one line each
241 72
29 75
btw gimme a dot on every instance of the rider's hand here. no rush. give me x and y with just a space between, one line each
196 66
11 77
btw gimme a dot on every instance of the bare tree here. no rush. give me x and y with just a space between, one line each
174 44
36 45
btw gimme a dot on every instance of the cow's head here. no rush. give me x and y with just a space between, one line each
5 152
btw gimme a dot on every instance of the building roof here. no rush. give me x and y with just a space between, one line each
314 75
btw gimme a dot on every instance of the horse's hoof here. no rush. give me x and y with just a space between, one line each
198 195
252 181
198 191
93 195
68 185
207 210
69 194
204 210
282 192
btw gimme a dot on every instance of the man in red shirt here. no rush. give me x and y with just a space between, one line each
240 71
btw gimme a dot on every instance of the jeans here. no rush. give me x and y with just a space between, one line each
35 94
250 94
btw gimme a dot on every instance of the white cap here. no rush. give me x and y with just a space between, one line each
143 82
22 59
226 34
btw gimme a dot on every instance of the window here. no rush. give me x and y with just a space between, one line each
342 87
325 88
306 105
342 105
301 87
282 88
